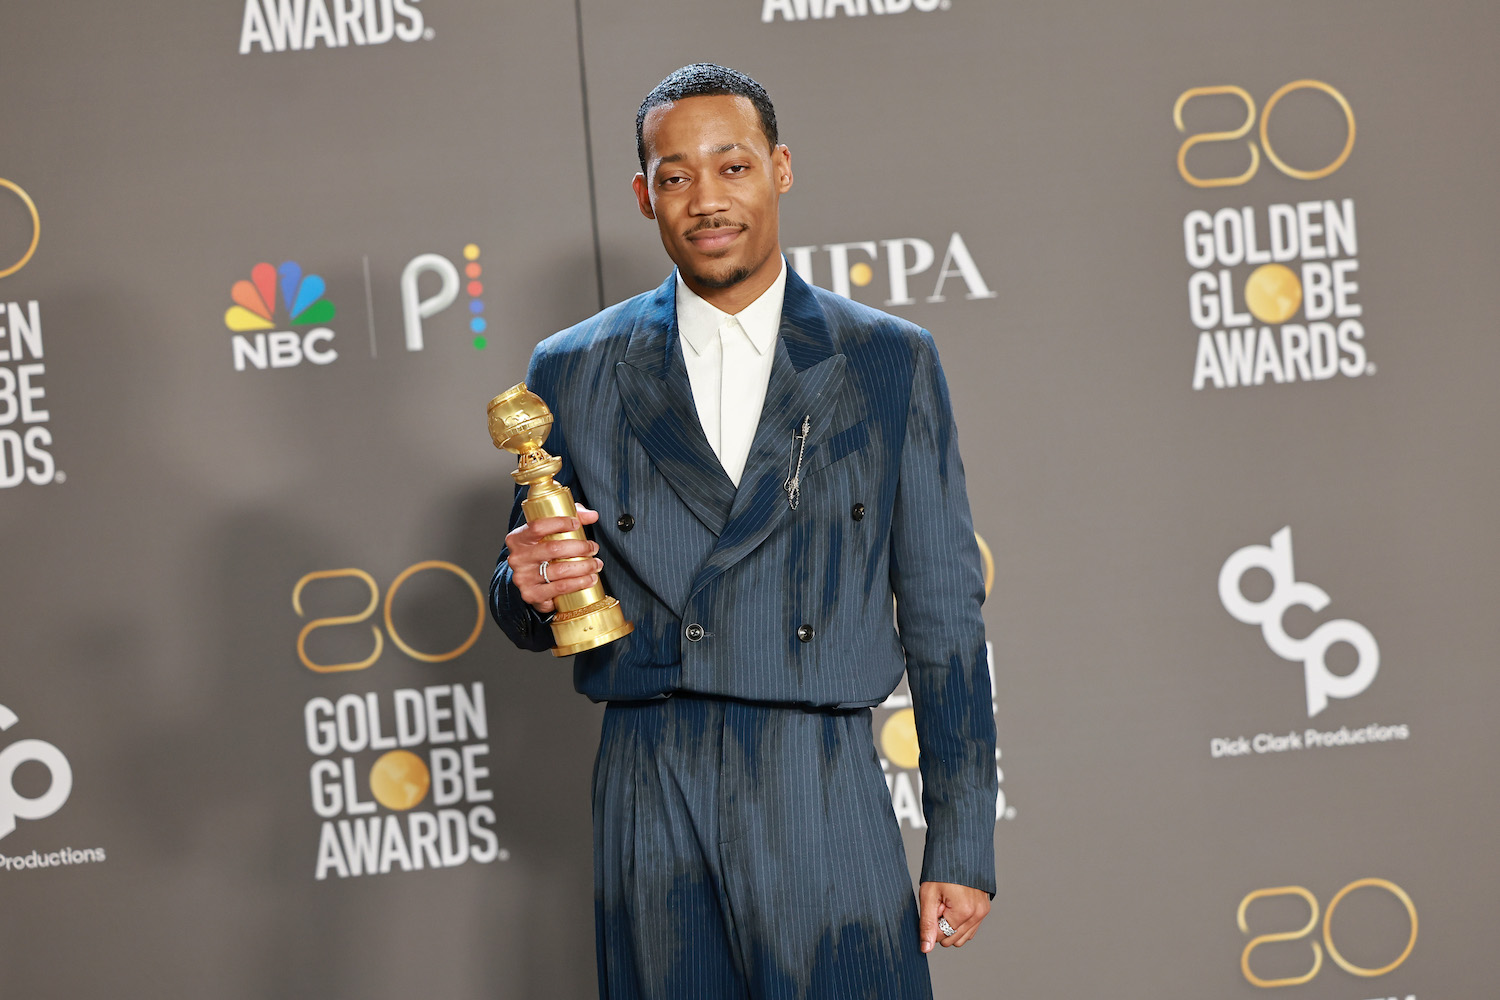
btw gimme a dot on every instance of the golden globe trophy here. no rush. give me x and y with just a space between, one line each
519 423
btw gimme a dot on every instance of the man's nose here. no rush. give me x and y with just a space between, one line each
710 197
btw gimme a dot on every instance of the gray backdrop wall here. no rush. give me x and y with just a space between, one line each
1211 283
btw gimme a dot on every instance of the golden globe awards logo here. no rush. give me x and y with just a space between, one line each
432 746
282 25
804 10
1274 290
25 438
399 777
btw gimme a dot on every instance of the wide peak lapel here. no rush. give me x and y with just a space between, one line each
806 379
658 401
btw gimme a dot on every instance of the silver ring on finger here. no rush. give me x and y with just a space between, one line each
543 570
946 927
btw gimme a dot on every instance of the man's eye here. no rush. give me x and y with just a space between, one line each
737 168
669 181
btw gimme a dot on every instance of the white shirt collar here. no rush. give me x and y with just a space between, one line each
698 320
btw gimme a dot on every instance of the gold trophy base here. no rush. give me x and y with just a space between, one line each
585 618
589 626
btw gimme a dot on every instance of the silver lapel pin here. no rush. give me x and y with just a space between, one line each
793 484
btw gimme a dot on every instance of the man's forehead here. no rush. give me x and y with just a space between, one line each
701 124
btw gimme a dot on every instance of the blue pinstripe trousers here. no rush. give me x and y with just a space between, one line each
747 850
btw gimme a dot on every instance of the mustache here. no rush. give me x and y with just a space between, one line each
714 223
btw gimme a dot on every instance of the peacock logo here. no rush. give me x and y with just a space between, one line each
255 300
256 342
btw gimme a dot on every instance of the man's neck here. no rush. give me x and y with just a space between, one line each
734 298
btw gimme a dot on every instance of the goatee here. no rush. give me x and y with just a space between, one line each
734 277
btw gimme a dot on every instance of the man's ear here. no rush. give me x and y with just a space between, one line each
781 159
643 196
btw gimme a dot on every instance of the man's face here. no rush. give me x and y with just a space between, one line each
713 184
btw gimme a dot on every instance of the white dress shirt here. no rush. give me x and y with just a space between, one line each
729 366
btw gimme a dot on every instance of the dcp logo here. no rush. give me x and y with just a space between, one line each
14 805
1312 651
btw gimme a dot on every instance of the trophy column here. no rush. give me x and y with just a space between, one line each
520 422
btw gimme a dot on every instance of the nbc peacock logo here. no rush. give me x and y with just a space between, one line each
253 318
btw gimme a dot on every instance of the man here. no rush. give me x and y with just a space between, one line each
766 465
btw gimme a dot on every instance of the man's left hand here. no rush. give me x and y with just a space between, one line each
964 906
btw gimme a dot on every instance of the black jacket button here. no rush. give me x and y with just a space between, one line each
805 633
625 522
857 512
694 632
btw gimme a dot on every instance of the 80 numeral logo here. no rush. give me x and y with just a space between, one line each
1265 138
390 626
1312 921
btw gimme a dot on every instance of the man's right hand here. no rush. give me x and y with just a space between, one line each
529 547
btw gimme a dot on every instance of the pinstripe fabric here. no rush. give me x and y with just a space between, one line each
718 875
752 572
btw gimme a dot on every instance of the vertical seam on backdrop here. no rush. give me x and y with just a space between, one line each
369 306
588 153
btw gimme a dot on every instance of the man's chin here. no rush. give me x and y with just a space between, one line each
726 277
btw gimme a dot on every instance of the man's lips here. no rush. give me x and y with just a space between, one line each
708 240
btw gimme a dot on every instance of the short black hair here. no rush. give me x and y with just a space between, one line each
705 80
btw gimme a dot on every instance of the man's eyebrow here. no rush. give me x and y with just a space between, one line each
716 151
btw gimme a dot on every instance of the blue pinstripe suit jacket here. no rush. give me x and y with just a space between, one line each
751 571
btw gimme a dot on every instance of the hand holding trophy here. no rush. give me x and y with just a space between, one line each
519 423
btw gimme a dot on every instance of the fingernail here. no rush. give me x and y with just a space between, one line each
596 548
598 564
